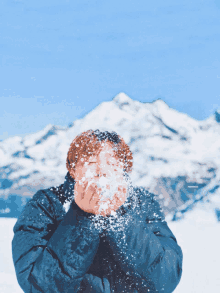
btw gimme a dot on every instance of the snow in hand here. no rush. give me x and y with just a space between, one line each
109 186
107 194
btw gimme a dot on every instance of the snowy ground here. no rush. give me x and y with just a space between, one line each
198 235
8 281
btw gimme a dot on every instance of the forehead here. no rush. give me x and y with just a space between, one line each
106 152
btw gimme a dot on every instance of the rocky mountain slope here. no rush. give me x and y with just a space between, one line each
175 156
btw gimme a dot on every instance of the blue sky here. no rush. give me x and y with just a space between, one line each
60 59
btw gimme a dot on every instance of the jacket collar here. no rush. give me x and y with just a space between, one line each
68 186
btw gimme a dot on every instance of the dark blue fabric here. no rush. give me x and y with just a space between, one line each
55 251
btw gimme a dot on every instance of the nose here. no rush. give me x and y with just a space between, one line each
100 175
101 171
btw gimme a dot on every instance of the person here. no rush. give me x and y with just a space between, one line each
96 232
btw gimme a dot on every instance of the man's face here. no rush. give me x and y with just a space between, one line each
105 169
100 185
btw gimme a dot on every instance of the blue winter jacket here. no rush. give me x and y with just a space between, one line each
57 247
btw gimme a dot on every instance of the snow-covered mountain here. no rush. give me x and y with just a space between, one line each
175 156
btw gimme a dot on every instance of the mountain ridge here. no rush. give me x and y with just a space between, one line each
170 150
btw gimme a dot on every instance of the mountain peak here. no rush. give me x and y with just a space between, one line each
122 99
160 103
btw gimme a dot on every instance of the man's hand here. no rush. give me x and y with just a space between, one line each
89 198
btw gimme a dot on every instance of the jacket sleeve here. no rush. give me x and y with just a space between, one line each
147 250
49 259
